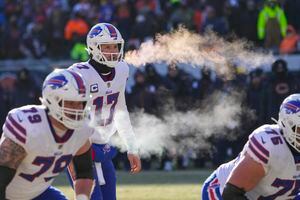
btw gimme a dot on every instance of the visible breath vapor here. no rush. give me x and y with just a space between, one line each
183 46
186 130
191 129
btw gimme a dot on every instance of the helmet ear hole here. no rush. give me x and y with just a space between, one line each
49 102
60 103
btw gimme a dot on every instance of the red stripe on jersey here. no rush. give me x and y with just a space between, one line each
258 155
215 181
259 147
16 125
212 194
15 133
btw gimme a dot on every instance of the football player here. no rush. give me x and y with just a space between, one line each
213 186
39 141
269 165
106 74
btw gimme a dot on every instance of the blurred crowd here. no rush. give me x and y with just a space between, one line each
154 93
57 28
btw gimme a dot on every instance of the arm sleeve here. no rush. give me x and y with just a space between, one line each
283 22
124 127
122 120
258 150
14 128
83 165
6 175
232 192
261 23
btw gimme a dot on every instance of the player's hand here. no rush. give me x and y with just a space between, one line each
135 163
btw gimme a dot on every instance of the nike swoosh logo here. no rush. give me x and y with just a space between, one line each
262 140
20 120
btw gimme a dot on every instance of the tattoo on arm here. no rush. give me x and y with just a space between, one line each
11 154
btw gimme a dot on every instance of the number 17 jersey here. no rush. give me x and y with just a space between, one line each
109 110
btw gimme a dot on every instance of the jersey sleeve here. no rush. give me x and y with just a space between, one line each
14 128
123 125
260 146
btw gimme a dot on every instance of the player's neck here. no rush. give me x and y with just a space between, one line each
100 68
59 128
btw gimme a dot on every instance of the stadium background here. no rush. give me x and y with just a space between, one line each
37 36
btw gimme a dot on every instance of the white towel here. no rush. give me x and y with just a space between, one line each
99 172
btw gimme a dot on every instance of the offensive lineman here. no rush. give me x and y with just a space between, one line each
269 165
39 141
106 74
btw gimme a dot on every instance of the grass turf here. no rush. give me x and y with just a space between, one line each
152 185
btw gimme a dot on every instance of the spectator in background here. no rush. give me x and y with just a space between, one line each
25 88
181 15
290 42
123 19
55 24
75 32
271 24
248 20
178 83
106 11
76 25
214 23
203 87
254 97
12 40
142 97
278 87
7 98
33 44
291 8
153 79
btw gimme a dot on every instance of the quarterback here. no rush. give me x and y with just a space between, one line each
39 141
106 74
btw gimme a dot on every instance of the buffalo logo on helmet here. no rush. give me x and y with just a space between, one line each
95 31
112 31
56 82
292 107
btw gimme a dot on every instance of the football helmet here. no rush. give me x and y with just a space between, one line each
104 33
289 120
64 85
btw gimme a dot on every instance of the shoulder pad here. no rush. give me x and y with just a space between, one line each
15 127
263 141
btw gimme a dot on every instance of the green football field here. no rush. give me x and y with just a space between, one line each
153 185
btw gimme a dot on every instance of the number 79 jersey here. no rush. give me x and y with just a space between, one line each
109 108
47 154
267 146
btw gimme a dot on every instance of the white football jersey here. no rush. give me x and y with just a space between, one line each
47 153
109 108
223 172
267 146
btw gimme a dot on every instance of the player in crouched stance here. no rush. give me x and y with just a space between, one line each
39 141
269 165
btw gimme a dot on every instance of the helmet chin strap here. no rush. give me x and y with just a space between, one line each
274 120
100 68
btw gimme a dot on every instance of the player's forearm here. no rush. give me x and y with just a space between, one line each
83 188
